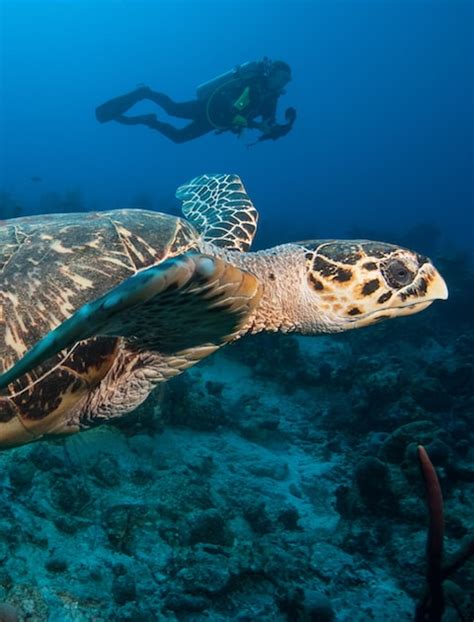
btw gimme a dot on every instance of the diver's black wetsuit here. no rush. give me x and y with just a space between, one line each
194 110
214 112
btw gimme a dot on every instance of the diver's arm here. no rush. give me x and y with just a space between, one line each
258 125
267 114
268 111
278 130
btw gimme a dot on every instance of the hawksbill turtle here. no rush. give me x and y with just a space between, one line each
96 309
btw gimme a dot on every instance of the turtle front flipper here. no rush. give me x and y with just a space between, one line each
221 210
182 303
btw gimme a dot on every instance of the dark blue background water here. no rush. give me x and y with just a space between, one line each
383 90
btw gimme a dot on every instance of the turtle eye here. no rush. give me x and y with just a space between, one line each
397 274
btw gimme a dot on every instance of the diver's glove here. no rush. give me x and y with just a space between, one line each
277 131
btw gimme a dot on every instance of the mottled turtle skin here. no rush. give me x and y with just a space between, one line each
51 266
97 309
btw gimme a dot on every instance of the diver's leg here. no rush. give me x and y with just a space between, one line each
139 119
181 135
117 106
182 110
177 135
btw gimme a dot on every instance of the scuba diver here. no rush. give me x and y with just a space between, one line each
231 102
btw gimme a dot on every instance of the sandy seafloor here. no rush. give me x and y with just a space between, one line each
274 481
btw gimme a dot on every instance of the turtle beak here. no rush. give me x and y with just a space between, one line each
437 288
430 285
427 287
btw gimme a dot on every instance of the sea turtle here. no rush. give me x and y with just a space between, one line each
98 308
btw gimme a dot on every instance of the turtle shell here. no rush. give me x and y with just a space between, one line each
49 267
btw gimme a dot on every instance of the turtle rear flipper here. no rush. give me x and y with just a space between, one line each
189 301
221 210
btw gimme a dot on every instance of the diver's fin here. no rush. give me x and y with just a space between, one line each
118 106
220 208
189 301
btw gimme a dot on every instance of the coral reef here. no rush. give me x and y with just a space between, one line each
277 481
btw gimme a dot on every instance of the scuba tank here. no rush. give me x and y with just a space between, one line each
210 92
245 71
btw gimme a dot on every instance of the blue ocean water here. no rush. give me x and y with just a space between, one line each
383 91
279 479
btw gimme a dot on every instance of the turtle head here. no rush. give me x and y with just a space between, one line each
355 283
